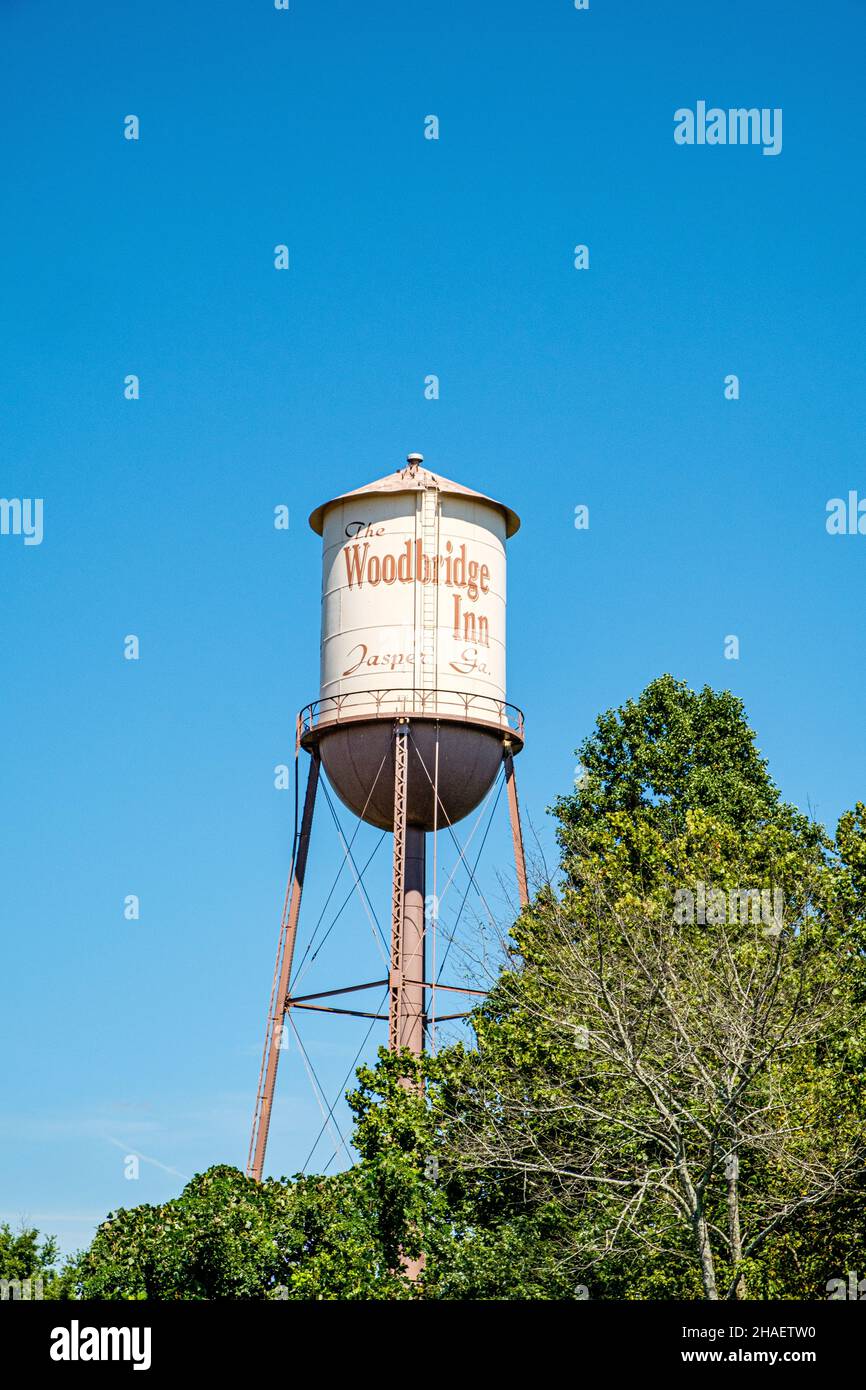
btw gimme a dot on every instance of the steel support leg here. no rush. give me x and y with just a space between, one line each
406 1007
516 831
414 972
283 973
395 975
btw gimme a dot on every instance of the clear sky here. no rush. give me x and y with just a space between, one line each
558 387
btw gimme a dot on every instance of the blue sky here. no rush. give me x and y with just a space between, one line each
558 387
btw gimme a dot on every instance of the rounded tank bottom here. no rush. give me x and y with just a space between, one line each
359 760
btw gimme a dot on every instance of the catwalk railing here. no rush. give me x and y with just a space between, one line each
459 705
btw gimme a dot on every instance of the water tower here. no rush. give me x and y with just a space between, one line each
411 725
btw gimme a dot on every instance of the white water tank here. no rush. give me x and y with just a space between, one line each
413 624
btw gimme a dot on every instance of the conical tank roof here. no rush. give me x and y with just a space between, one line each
414 478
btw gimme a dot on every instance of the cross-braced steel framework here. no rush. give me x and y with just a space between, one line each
407 981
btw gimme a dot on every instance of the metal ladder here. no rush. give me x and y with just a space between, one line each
428 605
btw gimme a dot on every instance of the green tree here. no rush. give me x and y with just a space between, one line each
227 1237
28 1264
684 1094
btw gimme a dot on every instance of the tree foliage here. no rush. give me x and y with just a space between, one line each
228 1237
684 1092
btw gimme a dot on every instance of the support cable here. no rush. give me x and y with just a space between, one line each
453 935
343 1087
450 827
342 866
303 968
317 1088
470 838
364 895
